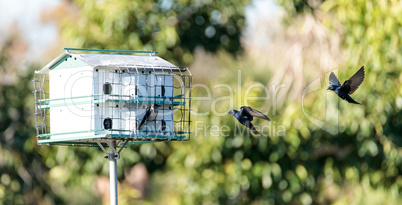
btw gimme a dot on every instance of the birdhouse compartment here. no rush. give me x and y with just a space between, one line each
87 98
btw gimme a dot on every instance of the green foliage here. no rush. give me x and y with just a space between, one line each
22 170
297 7
302 164
308 165
173 28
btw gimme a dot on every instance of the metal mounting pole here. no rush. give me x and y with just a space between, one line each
113 155
112 172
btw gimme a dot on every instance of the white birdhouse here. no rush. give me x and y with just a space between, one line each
84 98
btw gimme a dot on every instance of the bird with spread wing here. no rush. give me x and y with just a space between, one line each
246 114
349 86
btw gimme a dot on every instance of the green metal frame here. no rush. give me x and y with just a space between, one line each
162 100
68 62
47 136
90 139
86 140
102 136
90 144
76 97
109 51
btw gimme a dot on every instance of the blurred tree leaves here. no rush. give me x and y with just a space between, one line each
22 171
304 165
173 28
360 164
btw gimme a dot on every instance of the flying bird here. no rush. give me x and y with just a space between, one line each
349 86
150 115
246 114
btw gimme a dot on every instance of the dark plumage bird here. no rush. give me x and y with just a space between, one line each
163 126
246 114
349 87
150 115
163 90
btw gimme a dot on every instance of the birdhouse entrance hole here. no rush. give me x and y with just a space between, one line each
84 98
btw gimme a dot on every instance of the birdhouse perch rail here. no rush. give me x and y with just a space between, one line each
108 51
108 98
131 88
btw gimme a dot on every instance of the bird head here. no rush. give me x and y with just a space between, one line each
331 87
232 112
156 105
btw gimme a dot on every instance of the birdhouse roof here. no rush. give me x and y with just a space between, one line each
97 60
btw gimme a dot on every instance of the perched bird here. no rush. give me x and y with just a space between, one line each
150 115
163 126
348 87
245 116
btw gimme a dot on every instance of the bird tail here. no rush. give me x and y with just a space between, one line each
141 124
354 102
351 100
255 131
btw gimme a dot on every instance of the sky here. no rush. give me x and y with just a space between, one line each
260 9
27 13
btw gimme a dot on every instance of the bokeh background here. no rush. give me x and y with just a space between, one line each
290 43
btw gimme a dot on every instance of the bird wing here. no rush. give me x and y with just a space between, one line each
249 125
163 90
163 125
351 85
333 80
250 112
145 117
